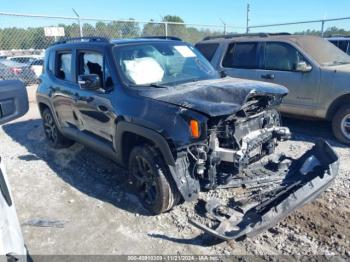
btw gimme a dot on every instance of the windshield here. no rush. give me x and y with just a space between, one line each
324 52
162 63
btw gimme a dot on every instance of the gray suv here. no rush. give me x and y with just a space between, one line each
315 71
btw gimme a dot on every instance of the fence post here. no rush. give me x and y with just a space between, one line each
79 22
166 28
322 28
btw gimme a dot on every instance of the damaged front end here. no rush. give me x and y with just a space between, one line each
292 184
235 148
240 153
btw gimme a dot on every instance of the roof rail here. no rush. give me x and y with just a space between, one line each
175 38
242 35
82 39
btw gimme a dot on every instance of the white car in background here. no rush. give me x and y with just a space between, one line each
13 104
35 62
37 66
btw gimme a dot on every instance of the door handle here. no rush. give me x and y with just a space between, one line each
268 76
102 108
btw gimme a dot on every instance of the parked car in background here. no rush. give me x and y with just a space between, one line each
37 66
316 72
10 70
342 42
24 59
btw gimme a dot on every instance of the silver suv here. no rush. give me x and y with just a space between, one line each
315 71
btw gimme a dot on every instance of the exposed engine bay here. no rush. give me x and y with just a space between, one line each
240 153
234 144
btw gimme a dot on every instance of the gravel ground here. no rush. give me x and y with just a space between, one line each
88 196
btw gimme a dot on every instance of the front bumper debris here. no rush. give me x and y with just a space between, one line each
305 179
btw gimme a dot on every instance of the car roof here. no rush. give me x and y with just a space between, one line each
112 42
339 38
261 38
25 56
10 63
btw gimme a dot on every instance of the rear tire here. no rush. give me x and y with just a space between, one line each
52 133
341 124
152 180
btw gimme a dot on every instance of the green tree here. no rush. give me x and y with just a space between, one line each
175 25
153 29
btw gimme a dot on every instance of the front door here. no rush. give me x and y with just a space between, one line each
94 107
280 66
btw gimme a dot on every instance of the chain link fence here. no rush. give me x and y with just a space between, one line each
322 27
23 39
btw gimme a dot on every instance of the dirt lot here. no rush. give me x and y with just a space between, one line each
88 195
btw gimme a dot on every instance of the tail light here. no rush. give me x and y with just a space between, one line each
16 70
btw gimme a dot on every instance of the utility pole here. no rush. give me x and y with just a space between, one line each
79 22
248 10
225 26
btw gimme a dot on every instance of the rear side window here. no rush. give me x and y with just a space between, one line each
343 45
38 62
208 50
282 57
241 55
64 66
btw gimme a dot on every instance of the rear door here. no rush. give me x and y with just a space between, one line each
241 60
93 107
63 87
280 62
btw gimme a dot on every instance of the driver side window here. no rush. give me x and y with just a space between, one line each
282 57
94 63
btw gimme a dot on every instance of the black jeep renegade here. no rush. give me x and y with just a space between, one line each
157 107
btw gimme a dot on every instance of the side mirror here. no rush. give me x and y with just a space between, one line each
303 67
90 82
13 100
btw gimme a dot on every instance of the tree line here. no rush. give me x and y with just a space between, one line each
34 37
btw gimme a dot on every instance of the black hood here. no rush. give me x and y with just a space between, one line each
217 97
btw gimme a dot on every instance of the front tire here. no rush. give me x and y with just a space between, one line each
52 133
341 124
152 180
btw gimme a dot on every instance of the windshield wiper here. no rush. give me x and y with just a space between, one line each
158 85
155 85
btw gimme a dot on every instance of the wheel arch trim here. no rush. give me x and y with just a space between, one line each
159 141
336 104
